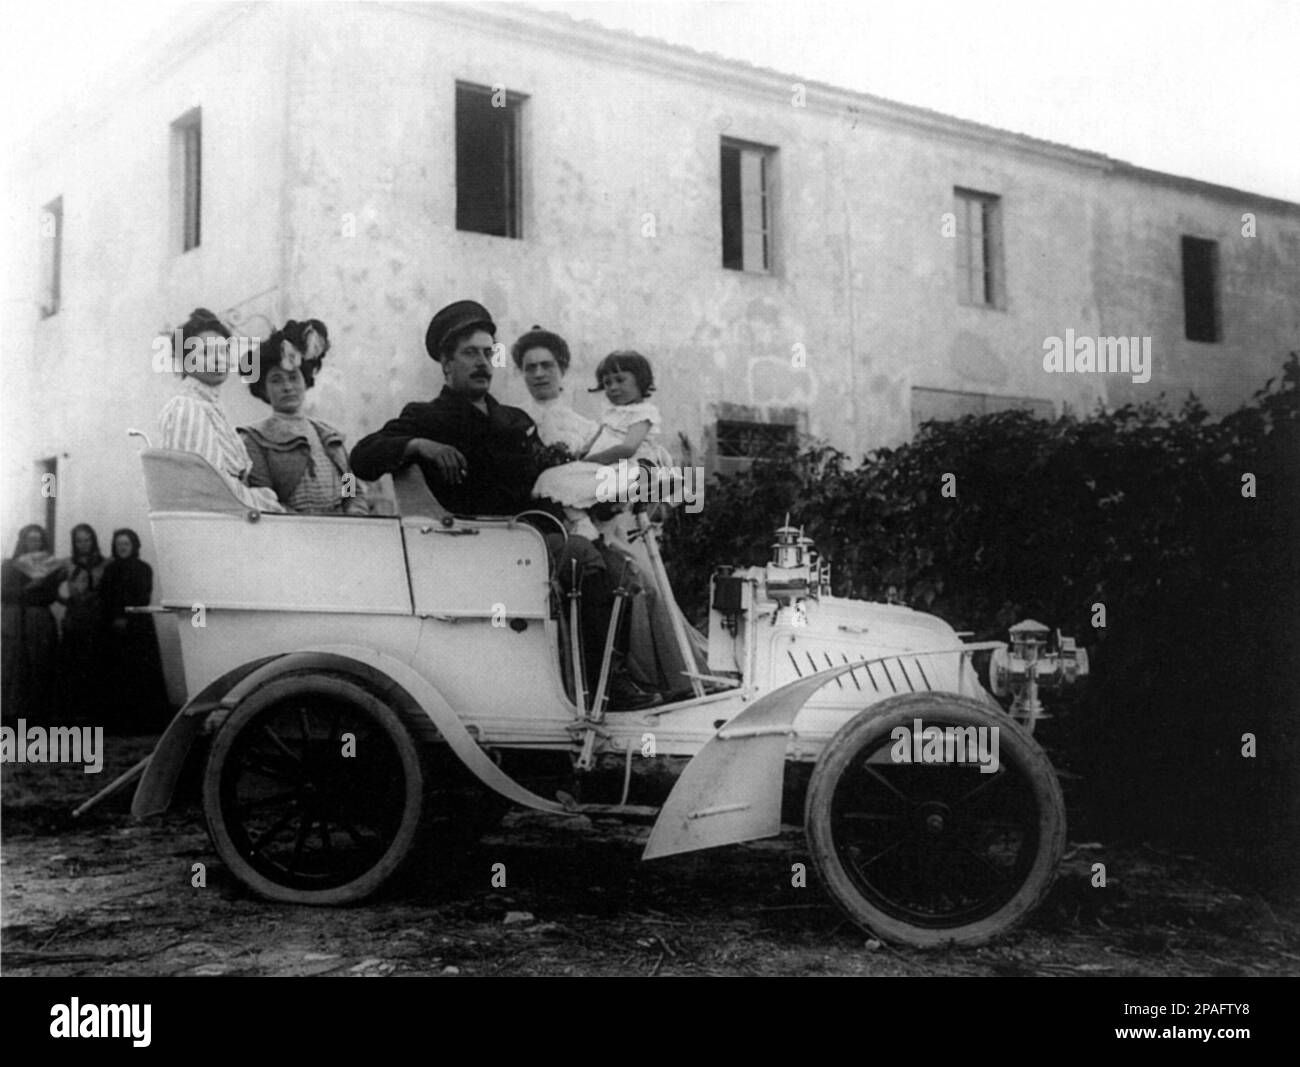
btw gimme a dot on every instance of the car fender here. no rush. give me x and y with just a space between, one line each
158 784
153 795
731 790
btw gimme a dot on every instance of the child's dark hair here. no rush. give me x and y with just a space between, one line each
635 364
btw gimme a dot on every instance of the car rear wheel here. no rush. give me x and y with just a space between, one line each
934 852
313 790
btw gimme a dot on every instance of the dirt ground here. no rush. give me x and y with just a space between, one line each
105 895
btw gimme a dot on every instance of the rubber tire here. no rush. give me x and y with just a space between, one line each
938 708
400 846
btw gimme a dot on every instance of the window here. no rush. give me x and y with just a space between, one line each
942 405
738 445
1200 289
51 256
746 206
487 160
751 440
979 249
187 185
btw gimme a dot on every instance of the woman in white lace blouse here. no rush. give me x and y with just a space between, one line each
543 357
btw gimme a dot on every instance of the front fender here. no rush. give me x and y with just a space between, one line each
158 784
153 795
731 790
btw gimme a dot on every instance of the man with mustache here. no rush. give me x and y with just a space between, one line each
480 458
477 455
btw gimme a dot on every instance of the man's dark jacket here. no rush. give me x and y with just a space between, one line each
500 450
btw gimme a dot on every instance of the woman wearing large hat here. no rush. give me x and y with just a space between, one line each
302 458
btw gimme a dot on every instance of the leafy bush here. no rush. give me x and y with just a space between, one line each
1139 510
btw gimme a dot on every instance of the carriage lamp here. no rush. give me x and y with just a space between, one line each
1020 670
787 549
792 573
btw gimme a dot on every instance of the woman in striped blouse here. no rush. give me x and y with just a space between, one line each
194 421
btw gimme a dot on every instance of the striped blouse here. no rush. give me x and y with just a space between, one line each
320 489
193 421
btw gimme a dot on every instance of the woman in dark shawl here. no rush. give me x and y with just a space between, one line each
138 697
29 584
81 650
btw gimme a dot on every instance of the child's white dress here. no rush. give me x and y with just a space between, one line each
582 484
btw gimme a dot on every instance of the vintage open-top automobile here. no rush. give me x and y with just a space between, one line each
348 671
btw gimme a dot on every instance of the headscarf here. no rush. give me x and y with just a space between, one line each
19 550
127 582
92 559
39 564
133 537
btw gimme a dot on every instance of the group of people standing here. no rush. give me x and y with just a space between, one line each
99 664
480 457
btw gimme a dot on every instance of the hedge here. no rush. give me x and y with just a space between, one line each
1185 530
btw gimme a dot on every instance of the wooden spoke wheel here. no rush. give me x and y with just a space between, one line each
313 790
934 852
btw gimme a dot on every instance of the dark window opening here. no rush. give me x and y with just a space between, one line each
746 207
49 473
51 257
1200 289
187 136
979 249
752 440
487 160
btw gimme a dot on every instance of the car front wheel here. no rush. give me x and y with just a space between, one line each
931 852
313 790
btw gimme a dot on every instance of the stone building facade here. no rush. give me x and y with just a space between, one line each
788 254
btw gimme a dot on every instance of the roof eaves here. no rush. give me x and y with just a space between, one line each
530 24
169 50
1121 169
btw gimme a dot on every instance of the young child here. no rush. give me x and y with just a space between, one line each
628 434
